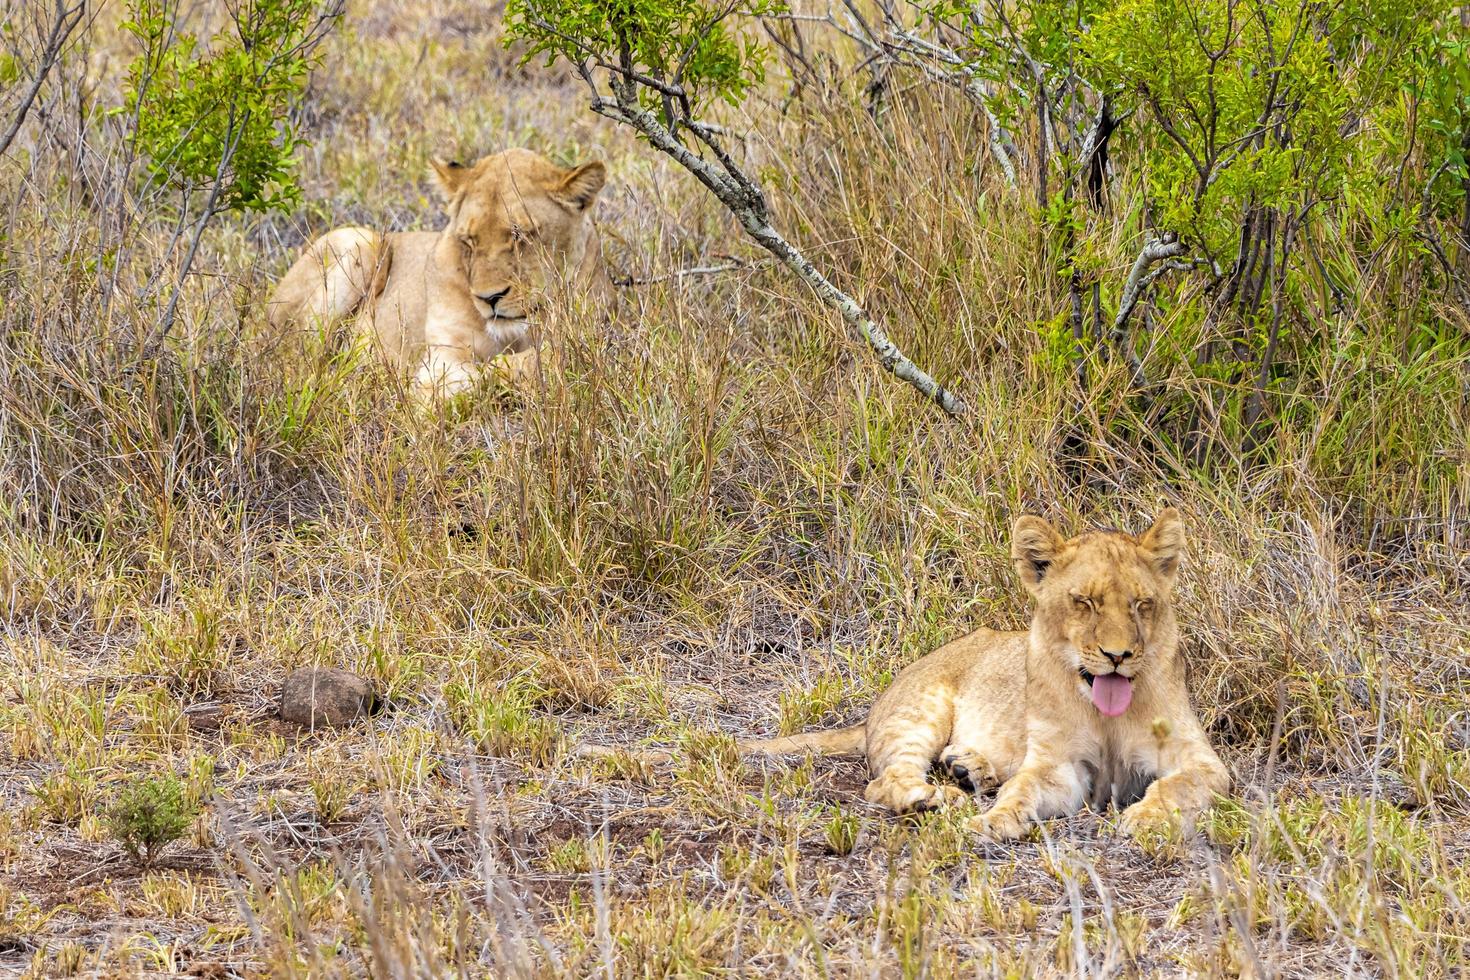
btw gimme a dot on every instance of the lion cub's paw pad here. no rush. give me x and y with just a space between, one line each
968 769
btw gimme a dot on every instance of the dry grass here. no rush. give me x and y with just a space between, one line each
722 520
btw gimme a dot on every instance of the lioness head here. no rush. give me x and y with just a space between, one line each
1103 601
515 218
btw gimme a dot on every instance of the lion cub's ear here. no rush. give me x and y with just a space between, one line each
1034 546
579 188
449 176
1165 543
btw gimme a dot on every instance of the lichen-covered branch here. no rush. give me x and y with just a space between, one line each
944 65
1134 287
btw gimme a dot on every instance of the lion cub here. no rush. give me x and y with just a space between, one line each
1089 705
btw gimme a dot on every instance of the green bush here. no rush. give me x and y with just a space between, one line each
214 115
149 814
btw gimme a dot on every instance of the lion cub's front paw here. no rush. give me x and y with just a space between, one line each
1148 816
517 373
999 824
912 795
946 796
931 797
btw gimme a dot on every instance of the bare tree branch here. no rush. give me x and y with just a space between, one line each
897 45
678 274
946 66
64 21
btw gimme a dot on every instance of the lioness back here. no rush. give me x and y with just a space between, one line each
394 316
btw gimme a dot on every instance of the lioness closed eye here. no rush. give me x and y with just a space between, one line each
1088 705
444 304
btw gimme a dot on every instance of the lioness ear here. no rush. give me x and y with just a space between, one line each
1034 546
579 188
1164 543
449 176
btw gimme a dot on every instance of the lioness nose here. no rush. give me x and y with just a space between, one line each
492 298
1119 657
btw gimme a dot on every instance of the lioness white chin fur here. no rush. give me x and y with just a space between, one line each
444 305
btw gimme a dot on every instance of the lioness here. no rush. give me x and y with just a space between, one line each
1088 705
443 304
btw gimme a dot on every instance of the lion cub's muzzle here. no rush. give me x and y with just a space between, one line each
492 300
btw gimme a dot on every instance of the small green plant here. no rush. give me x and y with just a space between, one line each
801 709
174 894
642 697
654 845
503 722
331 795
148 815
621 764
841 831
189 648
60 723
708 758
1434 770
578 856
200 779
66 796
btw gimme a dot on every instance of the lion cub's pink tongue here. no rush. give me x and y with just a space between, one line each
1112 693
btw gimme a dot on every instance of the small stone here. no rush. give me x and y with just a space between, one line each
316 697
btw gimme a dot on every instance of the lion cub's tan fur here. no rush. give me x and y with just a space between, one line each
1013 708
444 304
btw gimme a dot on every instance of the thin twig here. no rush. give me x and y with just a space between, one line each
1134 287
701 270
63 23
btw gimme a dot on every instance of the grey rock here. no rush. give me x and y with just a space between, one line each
317 697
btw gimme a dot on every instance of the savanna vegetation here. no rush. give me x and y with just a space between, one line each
1214 252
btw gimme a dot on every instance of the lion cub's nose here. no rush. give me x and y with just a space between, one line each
490 299
1117 658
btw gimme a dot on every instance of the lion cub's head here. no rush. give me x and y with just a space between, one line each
514 218
1103 601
